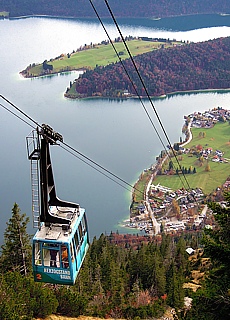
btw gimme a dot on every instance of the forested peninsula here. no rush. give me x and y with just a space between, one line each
129 8
195 66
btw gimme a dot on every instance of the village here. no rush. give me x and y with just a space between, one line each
175 211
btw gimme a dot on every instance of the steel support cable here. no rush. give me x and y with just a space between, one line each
22 112
95 10
99 166
141 101
149 98
107 176
114 48
146 91
7 109
71 148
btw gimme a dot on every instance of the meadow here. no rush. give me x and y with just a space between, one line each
91 56
4 14
217 138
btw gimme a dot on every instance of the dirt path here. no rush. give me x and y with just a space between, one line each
54 317
168 315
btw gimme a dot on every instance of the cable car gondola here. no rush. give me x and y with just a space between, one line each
61 241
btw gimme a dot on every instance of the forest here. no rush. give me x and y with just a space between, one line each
131 8
195 66
137 279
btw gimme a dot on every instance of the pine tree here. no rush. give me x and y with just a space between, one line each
175 287
16 250
157 274
181 254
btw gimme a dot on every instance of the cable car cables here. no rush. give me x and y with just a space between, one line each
20 111
144 86
70 149
130 79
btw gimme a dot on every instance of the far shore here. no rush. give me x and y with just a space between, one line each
157 97
94 18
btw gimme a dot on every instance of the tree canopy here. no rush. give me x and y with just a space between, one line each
136 280
16 250
134 8
194 66
212 301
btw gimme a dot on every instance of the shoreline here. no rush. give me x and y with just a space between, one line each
137 220
223 14
167 95
164 96
22 73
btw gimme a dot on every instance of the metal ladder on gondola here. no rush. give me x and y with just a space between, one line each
42 180
33 150
35 192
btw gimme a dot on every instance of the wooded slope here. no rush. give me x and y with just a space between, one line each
129 8
196 66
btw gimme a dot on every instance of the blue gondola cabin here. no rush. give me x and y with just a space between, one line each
58 253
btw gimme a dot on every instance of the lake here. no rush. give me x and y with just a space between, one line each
115 134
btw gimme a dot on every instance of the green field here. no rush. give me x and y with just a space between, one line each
216 138
99 55
4 14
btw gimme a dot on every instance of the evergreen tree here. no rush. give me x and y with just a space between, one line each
22 298
176 146
16 250
180 254
167 250
157 275
70 303
175 287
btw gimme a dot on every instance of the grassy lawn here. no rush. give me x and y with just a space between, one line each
216 138
100 55
4 14
138 193
141 185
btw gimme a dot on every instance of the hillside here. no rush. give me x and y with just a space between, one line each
115 281
134 8
119 281
196 66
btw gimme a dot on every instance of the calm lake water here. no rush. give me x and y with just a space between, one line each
115 134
